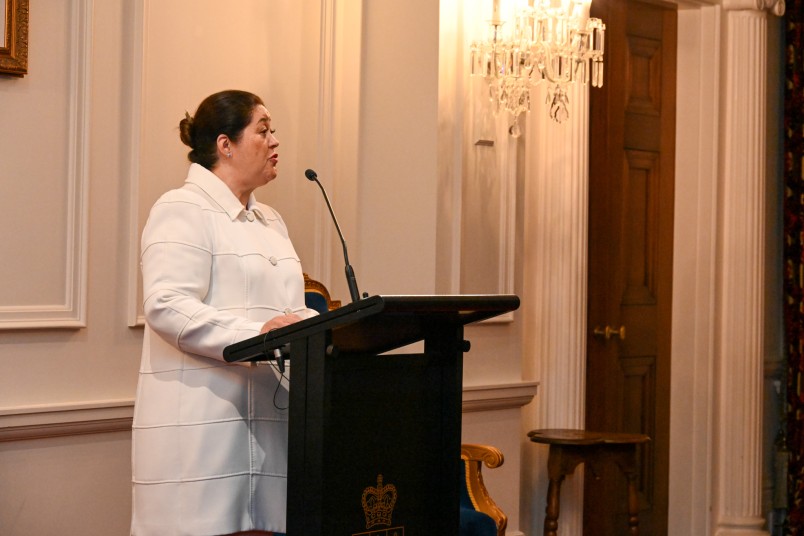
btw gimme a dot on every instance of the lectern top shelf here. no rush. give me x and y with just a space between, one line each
379 323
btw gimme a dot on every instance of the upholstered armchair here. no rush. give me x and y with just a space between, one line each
316 296
477 506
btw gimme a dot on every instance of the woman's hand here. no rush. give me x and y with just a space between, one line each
280 322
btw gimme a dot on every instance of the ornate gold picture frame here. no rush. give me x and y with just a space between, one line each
14 38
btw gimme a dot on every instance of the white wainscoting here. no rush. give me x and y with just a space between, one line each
55 423
55 250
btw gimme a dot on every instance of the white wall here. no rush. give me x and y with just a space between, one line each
43 157
89 139
62 157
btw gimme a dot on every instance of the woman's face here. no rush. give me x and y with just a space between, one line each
255 154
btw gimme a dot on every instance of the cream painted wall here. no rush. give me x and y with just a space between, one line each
365 116
346 101
73 483
398 148
98 362
195 48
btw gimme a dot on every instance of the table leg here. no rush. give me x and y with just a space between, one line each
633 505
553 508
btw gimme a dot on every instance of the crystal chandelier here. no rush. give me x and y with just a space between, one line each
560 44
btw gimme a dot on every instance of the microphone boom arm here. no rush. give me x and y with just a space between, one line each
351 281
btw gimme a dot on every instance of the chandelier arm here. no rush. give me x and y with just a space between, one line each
560 45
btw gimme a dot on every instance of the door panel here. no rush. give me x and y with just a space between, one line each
632 150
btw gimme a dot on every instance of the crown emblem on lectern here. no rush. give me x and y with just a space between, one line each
378 503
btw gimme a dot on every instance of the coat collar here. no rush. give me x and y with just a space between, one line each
215 188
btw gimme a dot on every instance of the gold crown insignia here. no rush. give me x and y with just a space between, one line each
378 503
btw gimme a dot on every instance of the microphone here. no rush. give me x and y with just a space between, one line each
350 273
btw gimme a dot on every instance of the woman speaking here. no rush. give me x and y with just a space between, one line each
210 438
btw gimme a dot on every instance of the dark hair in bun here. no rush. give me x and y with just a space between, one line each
227 112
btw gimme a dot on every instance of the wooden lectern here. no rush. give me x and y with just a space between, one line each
375 438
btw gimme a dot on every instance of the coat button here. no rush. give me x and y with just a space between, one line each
250 216
288 310
273 261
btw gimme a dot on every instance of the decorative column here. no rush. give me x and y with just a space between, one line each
556 208
737 490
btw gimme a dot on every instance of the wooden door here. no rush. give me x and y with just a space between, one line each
632 151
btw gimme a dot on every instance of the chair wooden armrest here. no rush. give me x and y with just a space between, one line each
473 456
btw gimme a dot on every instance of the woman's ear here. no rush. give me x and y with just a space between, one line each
224 146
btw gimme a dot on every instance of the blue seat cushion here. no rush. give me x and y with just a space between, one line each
475 523
315 301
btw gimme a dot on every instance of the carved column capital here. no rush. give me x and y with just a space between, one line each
775 7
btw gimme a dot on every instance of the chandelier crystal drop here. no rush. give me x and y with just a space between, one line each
557 43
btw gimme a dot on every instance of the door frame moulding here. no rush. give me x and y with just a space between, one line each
692 411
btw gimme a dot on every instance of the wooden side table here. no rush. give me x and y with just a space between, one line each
570 448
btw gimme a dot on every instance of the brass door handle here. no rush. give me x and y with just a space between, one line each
608 332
